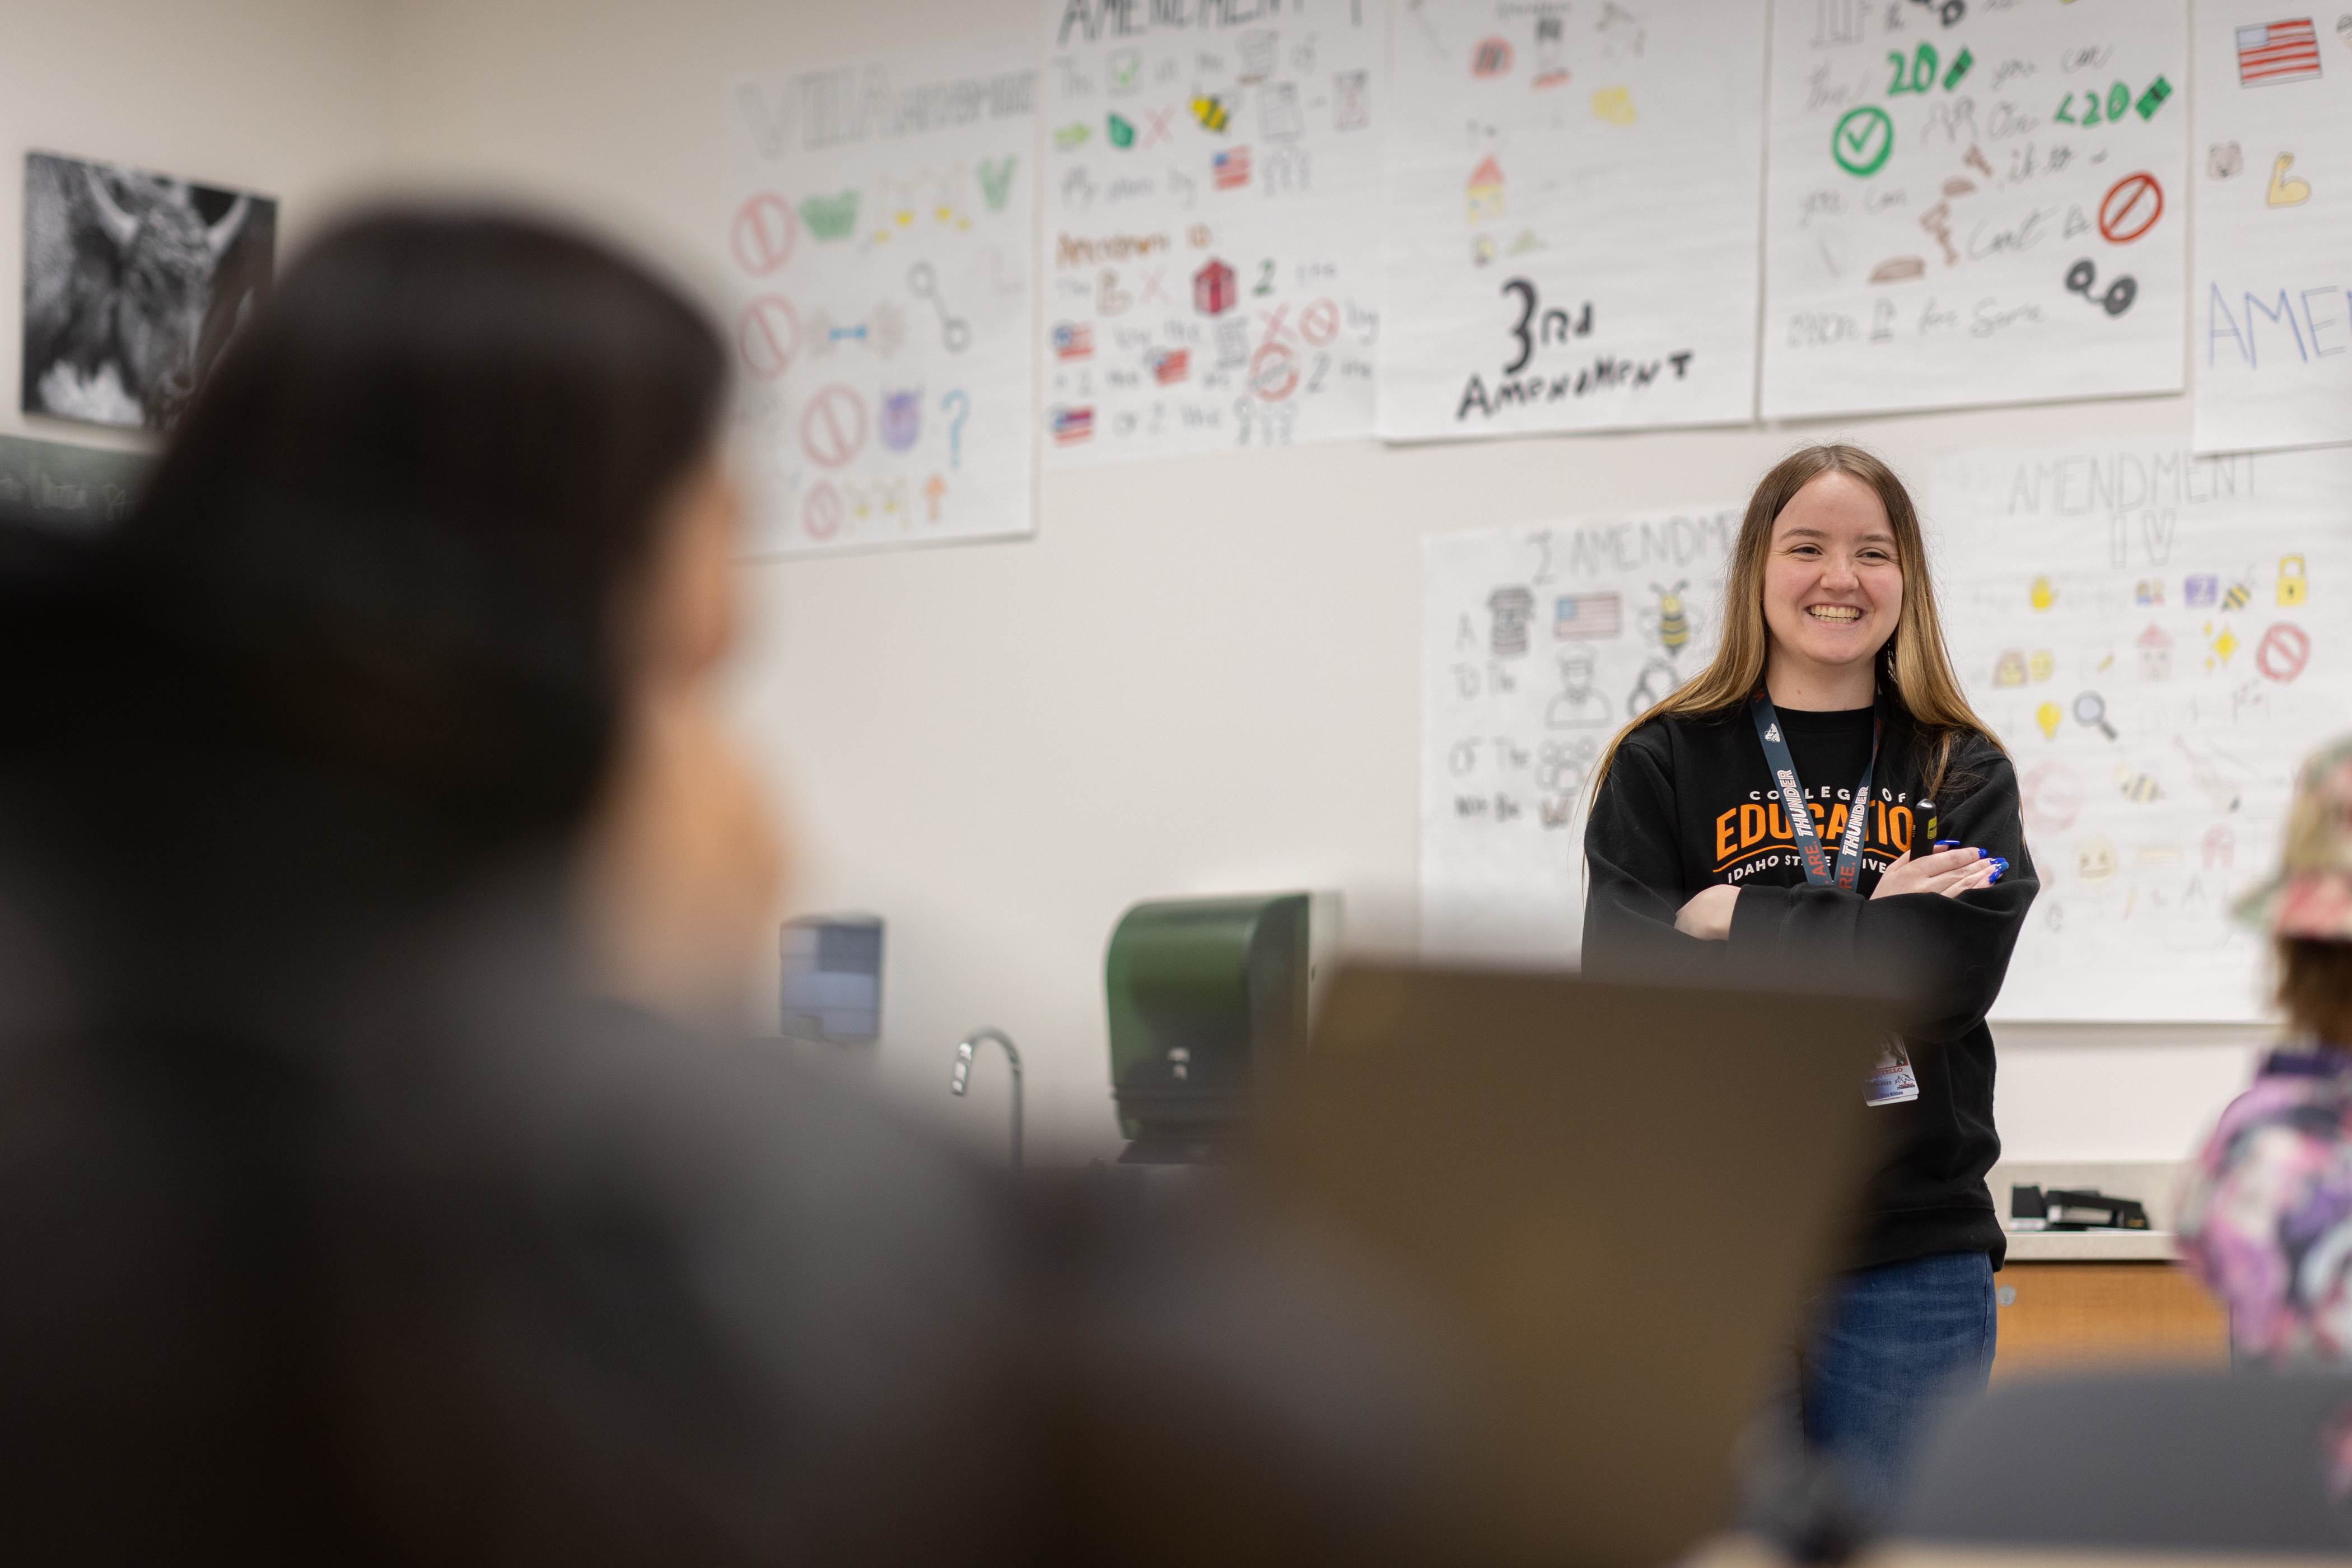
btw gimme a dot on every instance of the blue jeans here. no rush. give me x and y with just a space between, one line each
1887 1347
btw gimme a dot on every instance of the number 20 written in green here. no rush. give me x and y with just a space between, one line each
2119 99
1918 74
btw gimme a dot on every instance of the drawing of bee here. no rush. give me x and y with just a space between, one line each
1209 113
1674 628
2138 788
2235 599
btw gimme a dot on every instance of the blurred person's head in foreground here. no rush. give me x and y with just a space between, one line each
2266 1211
343 1221
453 510
339 1223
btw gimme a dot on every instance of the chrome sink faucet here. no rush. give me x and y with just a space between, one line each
962 1079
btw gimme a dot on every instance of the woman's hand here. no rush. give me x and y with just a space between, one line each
682 866
1949 870
1708 916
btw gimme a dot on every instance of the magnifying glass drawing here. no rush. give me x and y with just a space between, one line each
923 283
2092 709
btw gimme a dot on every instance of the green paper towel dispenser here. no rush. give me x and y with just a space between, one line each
1206 995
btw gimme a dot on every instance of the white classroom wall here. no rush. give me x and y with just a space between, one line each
1201 676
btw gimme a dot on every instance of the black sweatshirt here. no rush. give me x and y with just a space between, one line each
1688 804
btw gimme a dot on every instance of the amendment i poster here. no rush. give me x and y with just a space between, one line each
2271 314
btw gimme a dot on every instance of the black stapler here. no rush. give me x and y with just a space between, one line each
2085 1208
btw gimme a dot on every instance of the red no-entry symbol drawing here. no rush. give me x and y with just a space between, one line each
763 234
833 427
768 336
2283 652
2130 208
1274 373
821 513
1320 322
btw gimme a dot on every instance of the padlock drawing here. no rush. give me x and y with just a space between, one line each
2292 582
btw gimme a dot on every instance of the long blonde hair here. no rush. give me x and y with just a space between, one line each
1913 666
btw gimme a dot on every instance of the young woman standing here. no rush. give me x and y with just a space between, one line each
1773 819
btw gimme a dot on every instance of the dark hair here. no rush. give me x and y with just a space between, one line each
406 508
2314 986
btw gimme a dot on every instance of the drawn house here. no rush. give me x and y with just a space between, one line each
1486 191
2155 654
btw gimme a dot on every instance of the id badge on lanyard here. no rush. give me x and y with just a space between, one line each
1892 1080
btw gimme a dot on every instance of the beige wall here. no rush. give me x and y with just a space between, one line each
1200 677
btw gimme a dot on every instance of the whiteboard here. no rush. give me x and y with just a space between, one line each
1572 205
2271 315
2158 640
1972 204
1209 231
880 215
1539 644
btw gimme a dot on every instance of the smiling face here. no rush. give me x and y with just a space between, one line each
1832 583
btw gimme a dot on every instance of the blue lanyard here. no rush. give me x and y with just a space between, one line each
1791 790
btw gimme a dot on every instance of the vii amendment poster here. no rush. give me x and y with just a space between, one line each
880 215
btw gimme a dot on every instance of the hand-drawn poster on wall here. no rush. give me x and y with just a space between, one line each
879 220
1210 224
1573 194
2271 311
1974 203
2158 639
1539 643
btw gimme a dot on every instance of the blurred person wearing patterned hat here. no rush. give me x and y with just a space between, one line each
2266 1213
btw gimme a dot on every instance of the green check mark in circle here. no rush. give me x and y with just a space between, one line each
1862 140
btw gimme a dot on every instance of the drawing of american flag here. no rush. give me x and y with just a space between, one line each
1073 340
1231 168
2283 51
1583 616
1072 426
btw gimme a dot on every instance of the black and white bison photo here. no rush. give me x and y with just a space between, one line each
133 282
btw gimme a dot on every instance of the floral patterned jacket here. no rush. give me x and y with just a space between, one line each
2265 1217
